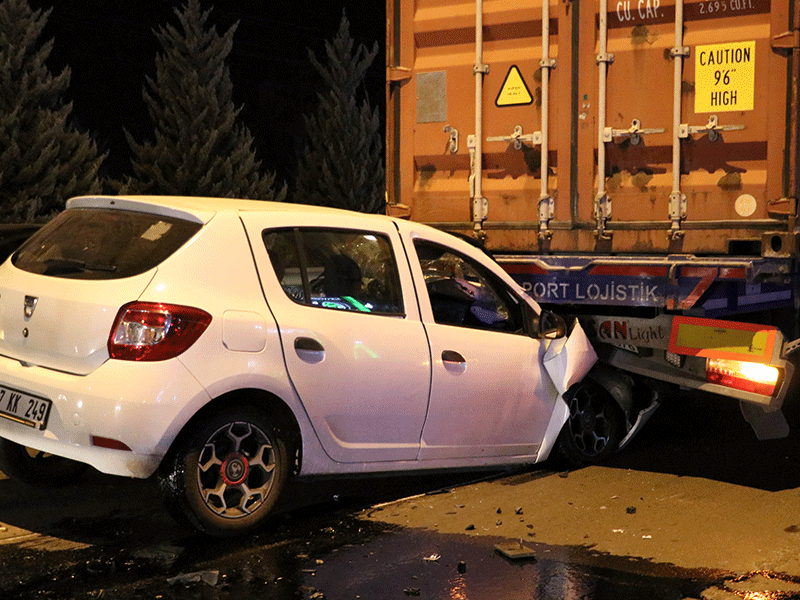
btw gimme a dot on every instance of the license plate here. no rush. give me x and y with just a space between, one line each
24 408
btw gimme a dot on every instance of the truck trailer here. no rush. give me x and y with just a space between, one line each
631 163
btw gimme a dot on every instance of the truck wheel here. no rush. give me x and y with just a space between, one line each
226 475
594 426
37 468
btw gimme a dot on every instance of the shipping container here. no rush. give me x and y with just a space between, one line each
687 110
634 159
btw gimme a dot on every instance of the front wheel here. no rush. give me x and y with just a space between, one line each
594 427
37 468
226 475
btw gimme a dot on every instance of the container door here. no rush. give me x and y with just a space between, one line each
646 126
687 143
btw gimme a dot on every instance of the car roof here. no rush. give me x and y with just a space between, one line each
201 210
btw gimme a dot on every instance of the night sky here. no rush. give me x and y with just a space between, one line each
110 48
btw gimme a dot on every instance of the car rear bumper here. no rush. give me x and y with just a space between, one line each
127 404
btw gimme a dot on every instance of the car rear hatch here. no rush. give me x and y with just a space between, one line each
60 292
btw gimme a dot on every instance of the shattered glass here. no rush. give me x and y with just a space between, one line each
462 295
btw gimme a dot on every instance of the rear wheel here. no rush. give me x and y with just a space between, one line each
226 474
37 468
594 426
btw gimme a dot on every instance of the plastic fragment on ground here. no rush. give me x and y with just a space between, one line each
208 577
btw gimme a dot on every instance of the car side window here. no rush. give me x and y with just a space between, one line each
464 294
336 269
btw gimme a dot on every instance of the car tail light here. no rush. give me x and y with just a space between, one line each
748 376
149 331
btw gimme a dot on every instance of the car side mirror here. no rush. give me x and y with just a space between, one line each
549 325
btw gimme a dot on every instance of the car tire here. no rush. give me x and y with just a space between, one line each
594 427
227 472
37 468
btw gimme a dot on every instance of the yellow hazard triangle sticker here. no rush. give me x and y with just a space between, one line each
514 91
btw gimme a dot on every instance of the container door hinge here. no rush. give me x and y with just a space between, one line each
398 73
788 40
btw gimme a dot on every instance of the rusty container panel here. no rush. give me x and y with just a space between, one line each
695 159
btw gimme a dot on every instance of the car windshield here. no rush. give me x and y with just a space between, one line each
102 244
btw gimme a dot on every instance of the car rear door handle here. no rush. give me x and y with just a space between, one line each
309 349
451 356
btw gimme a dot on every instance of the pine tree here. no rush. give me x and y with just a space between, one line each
200 149
44 159
342 164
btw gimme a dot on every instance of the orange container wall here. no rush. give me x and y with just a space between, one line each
735 97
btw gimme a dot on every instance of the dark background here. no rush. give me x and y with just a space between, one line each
110 49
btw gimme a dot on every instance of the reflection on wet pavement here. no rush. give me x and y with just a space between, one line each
458 567
328 553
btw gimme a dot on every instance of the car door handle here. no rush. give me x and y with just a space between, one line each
309 350
451 356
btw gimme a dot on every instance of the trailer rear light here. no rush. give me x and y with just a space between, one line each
150 331
752 377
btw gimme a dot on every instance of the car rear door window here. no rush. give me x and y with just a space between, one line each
336 269
96 243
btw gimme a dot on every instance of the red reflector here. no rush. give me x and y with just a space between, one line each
102 442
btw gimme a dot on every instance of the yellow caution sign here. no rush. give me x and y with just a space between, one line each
514 91
725 77
711 338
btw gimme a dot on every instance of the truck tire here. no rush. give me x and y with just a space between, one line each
594 427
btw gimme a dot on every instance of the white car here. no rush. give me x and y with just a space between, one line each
228 345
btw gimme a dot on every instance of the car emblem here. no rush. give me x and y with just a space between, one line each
30 305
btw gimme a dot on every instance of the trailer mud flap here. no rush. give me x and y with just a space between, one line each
766 424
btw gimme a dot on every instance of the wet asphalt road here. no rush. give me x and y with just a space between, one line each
110 538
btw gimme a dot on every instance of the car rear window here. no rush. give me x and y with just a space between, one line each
96 243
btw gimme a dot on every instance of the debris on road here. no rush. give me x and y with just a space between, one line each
208 577
515 550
